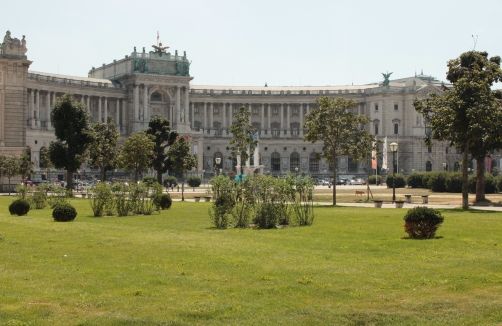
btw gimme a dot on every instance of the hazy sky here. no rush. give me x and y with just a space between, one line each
248 43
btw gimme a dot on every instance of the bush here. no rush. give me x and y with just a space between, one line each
422 222
490 184
414 179
39 199
163 201
19 207
194 181
149 181
437 181
64 212
400 181
102 200
454 182
425 180
498 181
172 181
372 179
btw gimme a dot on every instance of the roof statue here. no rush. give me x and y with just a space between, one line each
159 49
13 46
386 78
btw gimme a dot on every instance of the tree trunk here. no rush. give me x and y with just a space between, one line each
465 178
182 187
103 175
159 176
334 179
480 179
69 179
136 176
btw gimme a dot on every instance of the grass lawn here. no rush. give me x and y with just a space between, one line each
352 267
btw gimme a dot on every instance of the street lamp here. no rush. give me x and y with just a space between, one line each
193 171
204 178
393 149
444 166
296 170
218 161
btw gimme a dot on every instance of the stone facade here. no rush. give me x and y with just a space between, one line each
142 85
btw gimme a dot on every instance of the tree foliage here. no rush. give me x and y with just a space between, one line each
242 140
469 115
341 131
71 128
136 153
159 128
181 159
103 149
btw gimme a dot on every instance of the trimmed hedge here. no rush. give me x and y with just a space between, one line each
400 181
437 181
19 207
414 179
454 182
372 179
64 212
490 184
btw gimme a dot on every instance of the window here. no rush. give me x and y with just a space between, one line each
156 97
276 129
255 111
428 166
197 125
285 112
295 111
235 110
396 107
275 111
216 111
294 161
196 110
396 129
352 165
376 106
275 162
313 163
265 112
376 128
295 129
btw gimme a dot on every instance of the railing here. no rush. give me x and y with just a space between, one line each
72 82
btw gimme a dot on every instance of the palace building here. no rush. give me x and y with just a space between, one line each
144 84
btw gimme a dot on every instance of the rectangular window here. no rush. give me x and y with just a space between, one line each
275 133
396 129
376 106
275 111
396 107
295 111
235 110
376 128
216 111
255 111
196 110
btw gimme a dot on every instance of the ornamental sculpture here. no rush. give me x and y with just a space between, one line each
386 79
13 46
159 49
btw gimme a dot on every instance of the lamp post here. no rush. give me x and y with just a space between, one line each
296 170
218 161
204 178
393 149
193 171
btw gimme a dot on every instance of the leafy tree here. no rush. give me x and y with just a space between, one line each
181 159
71 127
159 128
469 116
340 130
45 161
136 152
103 149
242 140
25 164
11 167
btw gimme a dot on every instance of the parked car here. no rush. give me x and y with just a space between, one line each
322 182
357 182
341 182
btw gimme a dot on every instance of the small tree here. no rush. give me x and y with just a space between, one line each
340 130
25 164
163 137
135 154
45 161
11 167
181 160
243 138
71 127
103 149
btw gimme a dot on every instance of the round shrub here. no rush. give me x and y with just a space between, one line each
400 180
150 180
163 201
454 182
373 178
194 181
437 181
422 222
414 179
19 207
172 181
64 212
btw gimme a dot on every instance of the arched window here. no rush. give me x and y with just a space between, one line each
294 161
157 97
313 162
428 166
275 162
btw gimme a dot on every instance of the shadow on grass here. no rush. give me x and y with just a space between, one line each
435 238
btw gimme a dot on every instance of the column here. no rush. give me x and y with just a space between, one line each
99 109
31 100
269 118
281 114
178 113
82 99
288 121
117 114
145 103
250 111
211 111
205 116
88 104
224 116
185 105
262 119
301 120
105 110
37 108
124 110
135 95
48 112
192 117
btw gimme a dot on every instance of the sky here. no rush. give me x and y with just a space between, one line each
250 43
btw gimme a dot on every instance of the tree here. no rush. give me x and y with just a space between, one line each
71 127
25 164
136 152
159 128
243 136
181 160
11 167
45 161
103 149
468 116
339 129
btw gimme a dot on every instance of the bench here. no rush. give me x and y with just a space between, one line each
208 198
84 195
425 198
197 199
378 203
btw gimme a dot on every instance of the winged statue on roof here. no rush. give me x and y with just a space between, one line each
160 49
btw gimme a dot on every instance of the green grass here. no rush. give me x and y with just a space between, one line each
352 267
